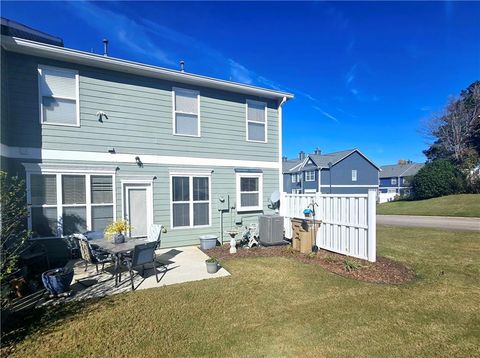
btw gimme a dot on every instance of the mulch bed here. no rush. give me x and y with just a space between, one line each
385 271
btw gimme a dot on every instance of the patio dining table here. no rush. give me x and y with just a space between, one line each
117 250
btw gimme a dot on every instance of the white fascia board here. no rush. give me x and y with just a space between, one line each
50 154
89 59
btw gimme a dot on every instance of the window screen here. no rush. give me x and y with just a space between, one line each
58 95
43 189
256 126
186 112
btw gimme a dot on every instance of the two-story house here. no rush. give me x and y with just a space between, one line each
344 172
395 179
99 138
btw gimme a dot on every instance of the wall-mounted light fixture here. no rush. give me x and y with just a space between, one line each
154 178
112 151
101 115
117 169
139 162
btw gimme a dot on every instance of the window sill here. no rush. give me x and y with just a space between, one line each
187 135
256 141
60 124
189 227
250 208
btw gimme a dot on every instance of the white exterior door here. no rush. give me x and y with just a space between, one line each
138 209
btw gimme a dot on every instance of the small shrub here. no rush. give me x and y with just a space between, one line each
311 255
351 265
211 260
13 227
330 259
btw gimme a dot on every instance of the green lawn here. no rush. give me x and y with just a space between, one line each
274 307
467 205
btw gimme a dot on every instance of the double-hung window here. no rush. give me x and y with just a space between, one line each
249 191
190 201
58 96
393 181
310 176
63 204
186 112
294 178
256 121
354 175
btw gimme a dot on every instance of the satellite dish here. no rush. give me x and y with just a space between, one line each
274 200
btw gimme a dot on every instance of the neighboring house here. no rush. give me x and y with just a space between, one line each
99 138
344 172
394 179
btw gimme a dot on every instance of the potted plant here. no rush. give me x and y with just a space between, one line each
117 230
212 265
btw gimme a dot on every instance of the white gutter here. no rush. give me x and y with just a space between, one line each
89 59
280 144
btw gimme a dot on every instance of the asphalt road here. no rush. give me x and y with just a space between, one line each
438 222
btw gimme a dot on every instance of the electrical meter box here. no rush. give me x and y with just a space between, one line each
223 202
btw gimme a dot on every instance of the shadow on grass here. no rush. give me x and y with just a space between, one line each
16 326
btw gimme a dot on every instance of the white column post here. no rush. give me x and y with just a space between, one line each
372 225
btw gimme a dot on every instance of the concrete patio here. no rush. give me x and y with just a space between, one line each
182 264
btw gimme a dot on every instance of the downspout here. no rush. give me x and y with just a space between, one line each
280 147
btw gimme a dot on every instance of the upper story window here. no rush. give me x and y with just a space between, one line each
297 177
393 181
310 176
249 191
58 96
256 121
186 112
354 175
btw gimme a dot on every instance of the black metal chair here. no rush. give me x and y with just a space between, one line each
91 255
142 255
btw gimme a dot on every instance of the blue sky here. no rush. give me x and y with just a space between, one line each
364 75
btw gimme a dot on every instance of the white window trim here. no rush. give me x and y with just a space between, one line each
393 181
294 178
250 121
354 174
190 176
40 70
174 112
310 191
306 176
60 204
259 207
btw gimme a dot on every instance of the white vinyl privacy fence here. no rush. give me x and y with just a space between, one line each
348 222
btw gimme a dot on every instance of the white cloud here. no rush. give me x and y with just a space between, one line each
326 114
125 30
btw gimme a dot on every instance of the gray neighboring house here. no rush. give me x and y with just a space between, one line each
343 172
394 179
98 138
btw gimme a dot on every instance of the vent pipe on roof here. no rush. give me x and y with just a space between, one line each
182 66
284 158
301 155
105 47
317 151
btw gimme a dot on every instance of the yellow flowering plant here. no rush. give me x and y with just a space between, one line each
118 227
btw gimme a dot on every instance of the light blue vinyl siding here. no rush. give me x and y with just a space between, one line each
223 182
140 117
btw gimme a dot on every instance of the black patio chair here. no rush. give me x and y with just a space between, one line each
91 255
142 255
